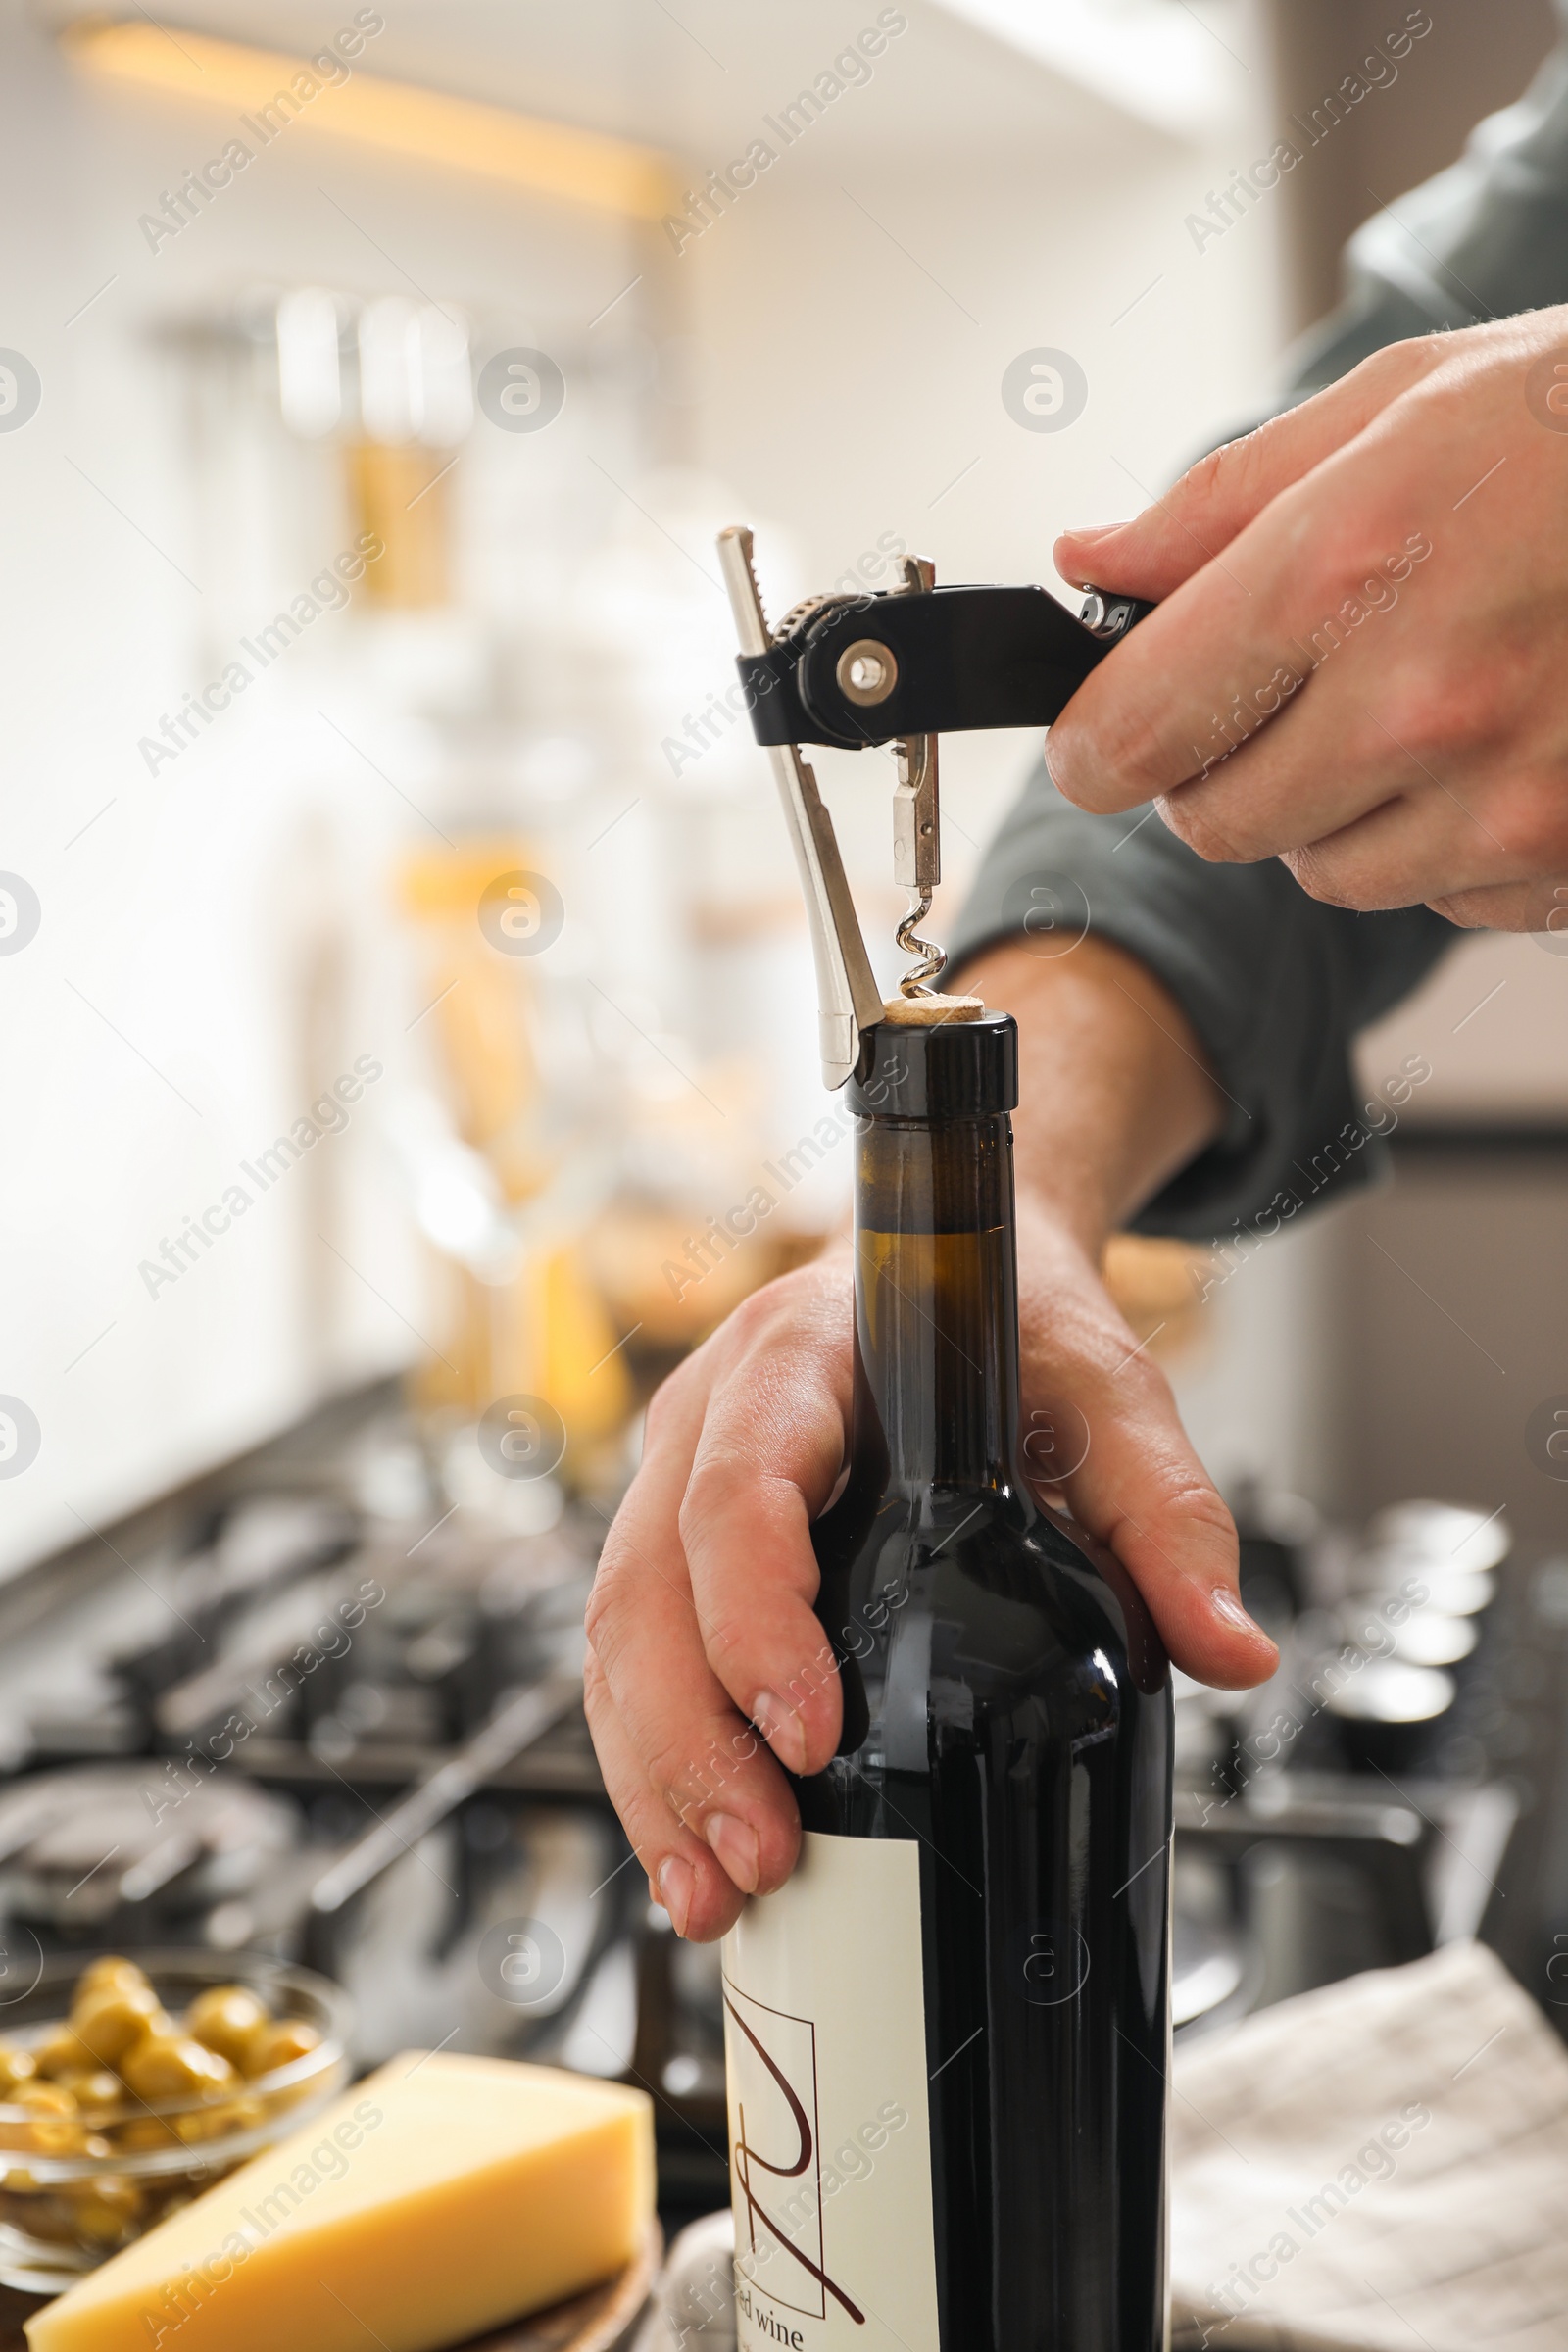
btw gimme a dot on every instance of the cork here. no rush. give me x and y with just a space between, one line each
929 1012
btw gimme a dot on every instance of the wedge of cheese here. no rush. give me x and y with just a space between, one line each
436 2199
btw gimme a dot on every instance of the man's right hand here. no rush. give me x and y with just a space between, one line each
701 1624
1422 758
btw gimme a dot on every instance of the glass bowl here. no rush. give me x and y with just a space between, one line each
64 2209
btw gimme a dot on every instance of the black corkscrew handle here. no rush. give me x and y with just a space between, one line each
857 670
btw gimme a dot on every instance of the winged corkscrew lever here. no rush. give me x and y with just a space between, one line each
901 667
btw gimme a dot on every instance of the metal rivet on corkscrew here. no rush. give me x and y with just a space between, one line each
867 672
897 667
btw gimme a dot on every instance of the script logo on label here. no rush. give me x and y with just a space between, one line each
775 2163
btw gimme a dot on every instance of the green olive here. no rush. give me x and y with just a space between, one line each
95 2090
219 2121
16 2066
106 2212
110 1969
279 2044
171 2066
60 2052
227 2019
109 2020
53 2127
141 2131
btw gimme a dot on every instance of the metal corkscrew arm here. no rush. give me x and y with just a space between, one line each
901 667
847 993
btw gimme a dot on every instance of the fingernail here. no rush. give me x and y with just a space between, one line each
1229 1610
675 1882
782 1729
735 1845
1091 530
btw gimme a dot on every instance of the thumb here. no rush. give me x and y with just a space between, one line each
1144 1493
1219 496
1115 1446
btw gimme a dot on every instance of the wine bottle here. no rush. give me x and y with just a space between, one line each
948 2033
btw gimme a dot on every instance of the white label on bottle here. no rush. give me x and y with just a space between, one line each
829 2138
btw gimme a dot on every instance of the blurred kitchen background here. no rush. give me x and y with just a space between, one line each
401 964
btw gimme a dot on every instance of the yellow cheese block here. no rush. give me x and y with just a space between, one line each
439 2197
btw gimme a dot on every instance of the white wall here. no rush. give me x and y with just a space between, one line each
216 939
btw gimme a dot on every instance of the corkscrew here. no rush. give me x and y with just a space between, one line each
900 665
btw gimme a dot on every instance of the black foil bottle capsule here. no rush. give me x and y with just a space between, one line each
1007 1712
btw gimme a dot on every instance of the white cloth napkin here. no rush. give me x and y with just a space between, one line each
693 2306
1376 2167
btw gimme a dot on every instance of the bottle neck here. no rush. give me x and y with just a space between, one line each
936 1300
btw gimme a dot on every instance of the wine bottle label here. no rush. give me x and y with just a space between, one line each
830 2138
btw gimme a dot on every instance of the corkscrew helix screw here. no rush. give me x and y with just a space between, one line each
932 960
916 824
898 666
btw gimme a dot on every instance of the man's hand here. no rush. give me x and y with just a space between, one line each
701 1624
1360 660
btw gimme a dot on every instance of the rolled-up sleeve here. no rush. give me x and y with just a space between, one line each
1275 984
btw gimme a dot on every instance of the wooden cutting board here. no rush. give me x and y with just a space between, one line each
596 2321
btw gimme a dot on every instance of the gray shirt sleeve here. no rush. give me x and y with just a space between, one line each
1275 984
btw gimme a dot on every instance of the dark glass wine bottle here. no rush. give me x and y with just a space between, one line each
979 1926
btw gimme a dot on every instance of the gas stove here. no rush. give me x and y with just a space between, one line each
313 1708
316 1708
